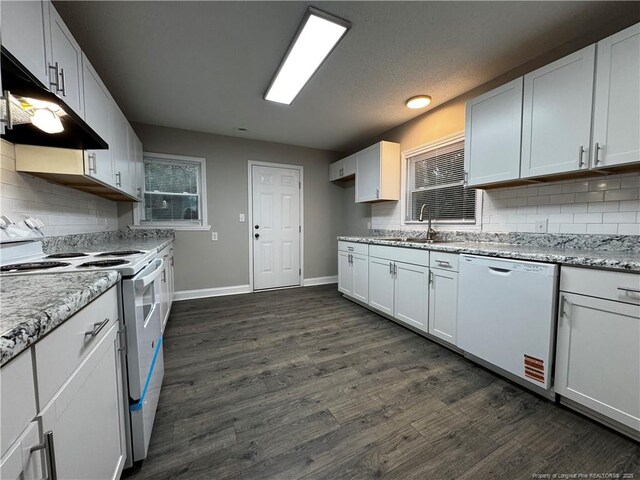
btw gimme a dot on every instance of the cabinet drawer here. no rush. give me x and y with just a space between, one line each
399 254
60 352
353 247
444 261
17 398
617 286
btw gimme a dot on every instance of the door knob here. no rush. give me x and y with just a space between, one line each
256 227
257 235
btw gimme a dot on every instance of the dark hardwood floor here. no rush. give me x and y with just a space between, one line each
302 383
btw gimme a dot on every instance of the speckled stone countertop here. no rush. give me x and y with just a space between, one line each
34 305
627 261
115 245
123 239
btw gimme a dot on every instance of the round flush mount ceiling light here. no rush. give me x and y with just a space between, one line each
419 101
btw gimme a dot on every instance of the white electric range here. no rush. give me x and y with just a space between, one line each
21 253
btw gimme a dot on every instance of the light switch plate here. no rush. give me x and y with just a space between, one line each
214 236
541 226
241 217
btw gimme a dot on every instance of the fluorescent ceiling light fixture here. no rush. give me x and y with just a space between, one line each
419 101
317 36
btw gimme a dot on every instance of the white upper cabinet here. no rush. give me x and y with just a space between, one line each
556 125
378 173
493 135
119 147
616 122
65 63
344 168
139 168
23 35
97 108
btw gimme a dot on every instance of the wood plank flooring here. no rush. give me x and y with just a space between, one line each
303 384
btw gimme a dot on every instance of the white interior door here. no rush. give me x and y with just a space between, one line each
276 227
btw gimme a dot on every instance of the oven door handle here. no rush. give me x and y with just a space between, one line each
147 279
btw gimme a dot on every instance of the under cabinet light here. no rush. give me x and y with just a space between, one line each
317 36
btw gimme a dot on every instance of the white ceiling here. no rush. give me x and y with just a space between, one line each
204 66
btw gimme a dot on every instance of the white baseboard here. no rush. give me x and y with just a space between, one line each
238 289
309 282
210 292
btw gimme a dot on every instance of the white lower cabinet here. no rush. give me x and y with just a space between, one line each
166 284
20 463
598 343
400 289
411 294
353 275
443 304
381 282
86 416
79 430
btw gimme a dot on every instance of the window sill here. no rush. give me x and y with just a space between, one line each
192 228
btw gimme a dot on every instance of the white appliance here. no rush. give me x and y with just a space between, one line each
139 298
506 317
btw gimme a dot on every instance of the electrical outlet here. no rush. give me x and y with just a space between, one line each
214 236
541 226
241 218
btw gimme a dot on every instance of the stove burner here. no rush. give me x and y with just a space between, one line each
121 253
104 263
67 255
26 267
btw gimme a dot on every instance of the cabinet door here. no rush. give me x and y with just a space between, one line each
443 305
20 463
120 146
616 121
86 416
381 283
556 122
171 272
67 53
349 165
345 276
360 277
368 174
335 170
493 135
97 110
598 356
139 167
23 35
411 294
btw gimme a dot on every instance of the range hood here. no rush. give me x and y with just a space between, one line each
25 90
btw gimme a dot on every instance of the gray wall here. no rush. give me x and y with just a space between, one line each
202 263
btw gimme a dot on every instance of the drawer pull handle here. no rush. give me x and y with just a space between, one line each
630 290
443 263
49 454
97 327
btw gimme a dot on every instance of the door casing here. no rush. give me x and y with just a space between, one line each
300 169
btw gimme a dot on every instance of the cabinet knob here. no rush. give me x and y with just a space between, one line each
257 235
256 227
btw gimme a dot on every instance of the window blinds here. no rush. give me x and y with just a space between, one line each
436 178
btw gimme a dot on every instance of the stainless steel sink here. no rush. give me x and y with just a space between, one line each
410 239
423 240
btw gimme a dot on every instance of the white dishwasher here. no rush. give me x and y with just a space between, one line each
506 317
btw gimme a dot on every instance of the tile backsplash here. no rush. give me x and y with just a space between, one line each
63 210
604 205
598 205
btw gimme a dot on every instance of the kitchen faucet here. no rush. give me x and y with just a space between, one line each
430 231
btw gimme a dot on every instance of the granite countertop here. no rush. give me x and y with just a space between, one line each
33 305
114 245
626 261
